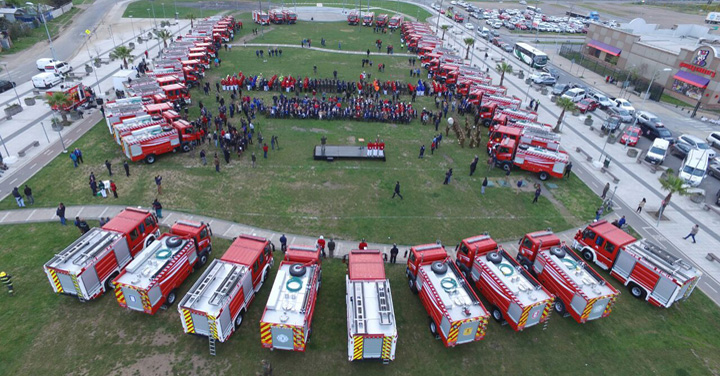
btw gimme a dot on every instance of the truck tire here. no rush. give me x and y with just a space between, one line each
507 166
202 260
265 275
172 296
411 283
439 267
494 257
558 252
186 147
149 240
543 175
486 123
587 256
150 159
173 242
109 285
496 314
297 270
239 320
637 291
433 329
559 307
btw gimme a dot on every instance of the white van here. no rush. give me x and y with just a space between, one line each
576 95
694 167
658 150
485 33
41 63
46 80
56 66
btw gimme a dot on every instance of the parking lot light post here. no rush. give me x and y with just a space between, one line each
133 26
647 92
42 17
11 83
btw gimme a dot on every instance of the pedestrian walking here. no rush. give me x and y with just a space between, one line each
126 166
283 243
158 208
538 191
599 213
422 151
265 150
621 222
272 142
518 185
74 159
60 212
363 244
79 155
254 159
6 280
693 231
158 182
397 190
113 188
393 253
331 247
203 157
482 187
109 166
28 195
448 175
605 190
216 161
568 168
507 177
18 197
321 244
641 205
473 165
537 104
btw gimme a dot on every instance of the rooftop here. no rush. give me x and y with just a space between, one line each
459 299
151 261
289 297
217 285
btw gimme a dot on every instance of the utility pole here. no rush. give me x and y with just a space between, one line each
42 17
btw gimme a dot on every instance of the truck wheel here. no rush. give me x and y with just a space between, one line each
173 242
587 256
497 314
150 159
494 257
433 328
637 291
149 240
486 123
543 176
171 298
186 147
109 285
264 276
507 166
297 270
559 307
412 286
239 319
525 264
202 260
558 252
439 267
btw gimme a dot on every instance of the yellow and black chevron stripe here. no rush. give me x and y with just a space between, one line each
454 330
482 324
588 308
189 326
524 317
546 311
386 348
213 326
358 347
145 301
56 281
608 308
265 334
120 296
298 338
77 286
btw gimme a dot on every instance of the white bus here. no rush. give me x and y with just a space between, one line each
530 55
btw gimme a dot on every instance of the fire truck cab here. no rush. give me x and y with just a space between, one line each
580 291
287 319
87 267
381 20
276 16
200 234
544 162
353 18
395 22
78 95
372 333
530 134
368 19
290 16
650 272
456 314
260 17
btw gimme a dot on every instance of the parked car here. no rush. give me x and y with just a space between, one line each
611 124
624 103
587 105
469 26
560 89
630 136
603 101
508 48
6 85
714 169
644 117
575 94
693 142
714 139
653 131
545 80
620 112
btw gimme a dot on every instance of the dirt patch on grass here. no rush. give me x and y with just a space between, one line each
351 139
163 339
314 130
158 364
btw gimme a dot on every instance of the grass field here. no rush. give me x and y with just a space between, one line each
39 34
44 333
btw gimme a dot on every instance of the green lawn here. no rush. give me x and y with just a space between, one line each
383 6
40 35
674 101
44 333
139 9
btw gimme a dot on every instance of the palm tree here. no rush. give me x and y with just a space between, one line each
469 42
122 53
673 184
566 104
503 68
192 18
164 35
444 29
58 101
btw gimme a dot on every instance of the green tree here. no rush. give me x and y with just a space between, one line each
122 53
469 42
444 29
673 184
503 68
164 35
59 102
566 104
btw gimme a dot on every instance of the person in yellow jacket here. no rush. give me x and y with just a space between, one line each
6 280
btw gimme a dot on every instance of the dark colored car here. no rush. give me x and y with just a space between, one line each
560 89
6 85
611 124
652 132
680 150
714 169
587 105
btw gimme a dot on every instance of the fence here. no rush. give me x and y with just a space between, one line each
627 79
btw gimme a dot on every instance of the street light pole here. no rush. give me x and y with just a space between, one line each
112 35
152 5
44 131
6 150
647 92
176 12
163 6
97 81
42 16
13 85
133 26
437 27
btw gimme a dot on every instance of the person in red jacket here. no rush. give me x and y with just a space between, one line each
113 188
321 244
363 244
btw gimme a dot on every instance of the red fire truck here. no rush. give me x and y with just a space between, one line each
276 16
456 314
87 267
508 115
151 280
544 162
381 20
147 143
130 125
78 95
353 18
530 134
475 86
372 333
215 306
290 16
580 291
650 272
287 319
368 19
517 298
395 22
260 17
503 102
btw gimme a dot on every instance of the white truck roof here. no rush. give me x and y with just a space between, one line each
214 288
150 261
455 298
370 308
527 292
661 259
590 284
289 296
83 251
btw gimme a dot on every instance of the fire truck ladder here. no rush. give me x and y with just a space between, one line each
359 307
203 285
226 286
383 306
212 345
92 250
